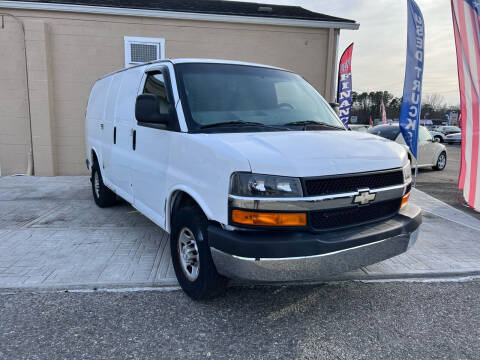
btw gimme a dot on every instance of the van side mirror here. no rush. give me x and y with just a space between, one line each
147 110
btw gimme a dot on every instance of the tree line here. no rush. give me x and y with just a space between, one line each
367 104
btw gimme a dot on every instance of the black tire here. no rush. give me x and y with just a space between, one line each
439 138
103 196
440 164
208 283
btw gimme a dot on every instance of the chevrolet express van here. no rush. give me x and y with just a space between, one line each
249 170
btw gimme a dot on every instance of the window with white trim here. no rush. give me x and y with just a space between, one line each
139 50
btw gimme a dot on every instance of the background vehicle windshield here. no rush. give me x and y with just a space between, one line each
389 132
219 93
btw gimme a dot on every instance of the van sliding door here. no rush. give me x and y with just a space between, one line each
122 152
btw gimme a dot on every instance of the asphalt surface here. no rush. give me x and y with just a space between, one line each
443 185
339 321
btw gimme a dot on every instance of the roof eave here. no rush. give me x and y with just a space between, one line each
24 5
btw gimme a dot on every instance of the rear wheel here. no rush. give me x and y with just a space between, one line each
191 257
441 161
103 196
439 138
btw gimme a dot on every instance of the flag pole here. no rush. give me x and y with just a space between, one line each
416 173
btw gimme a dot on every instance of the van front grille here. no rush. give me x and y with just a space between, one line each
343 217
352 182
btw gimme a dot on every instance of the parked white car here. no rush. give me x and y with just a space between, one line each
249 170
430 152
437 135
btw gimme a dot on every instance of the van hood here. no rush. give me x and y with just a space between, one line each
314 153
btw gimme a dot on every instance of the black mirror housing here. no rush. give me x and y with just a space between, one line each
147 110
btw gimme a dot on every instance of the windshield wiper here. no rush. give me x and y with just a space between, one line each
305 123
241 123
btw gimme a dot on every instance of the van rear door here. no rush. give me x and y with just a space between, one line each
108 128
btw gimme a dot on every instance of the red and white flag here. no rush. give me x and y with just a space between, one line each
383 112
465 14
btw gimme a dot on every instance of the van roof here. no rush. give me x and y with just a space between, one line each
219 61
193 60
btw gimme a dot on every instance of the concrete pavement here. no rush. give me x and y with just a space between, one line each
52 235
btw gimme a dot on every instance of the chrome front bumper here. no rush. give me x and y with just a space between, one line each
319 267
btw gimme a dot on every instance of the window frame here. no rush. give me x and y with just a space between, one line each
174 125
128 40
192 125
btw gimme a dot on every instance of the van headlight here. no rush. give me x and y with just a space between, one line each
256 185
407 173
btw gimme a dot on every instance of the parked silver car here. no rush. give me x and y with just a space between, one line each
430 152
454 138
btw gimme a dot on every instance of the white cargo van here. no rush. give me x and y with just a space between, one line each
249 170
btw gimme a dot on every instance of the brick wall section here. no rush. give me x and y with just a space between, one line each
14 126
40 84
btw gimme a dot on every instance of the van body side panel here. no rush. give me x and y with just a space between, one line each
95 117
122 153
107 133
201 166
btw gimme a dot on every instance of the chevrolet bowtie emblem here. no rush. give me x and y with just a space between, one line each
364 198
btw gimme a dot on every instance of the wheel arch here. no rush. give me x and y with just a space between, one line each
95 155
438 151
179 197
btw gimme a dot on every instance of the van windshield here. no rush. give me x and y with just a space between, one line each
225 96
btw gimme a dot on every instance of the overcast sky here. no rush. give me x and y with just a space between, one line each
380 43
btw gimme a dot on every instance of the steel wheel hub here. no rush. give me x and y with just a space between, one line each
188 254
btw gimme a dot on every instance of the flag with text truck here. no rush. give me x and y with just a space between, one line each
412 90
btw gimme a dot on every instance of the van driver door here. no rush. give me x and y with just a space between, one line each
151 155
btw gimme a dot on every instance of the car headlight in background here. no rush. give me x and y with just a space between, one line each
256 185
407 173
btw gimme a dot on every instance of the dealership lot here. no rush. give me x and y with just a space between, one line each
443 185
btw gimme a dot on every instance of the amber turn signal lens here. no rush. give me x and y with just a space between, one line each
405 200
269 219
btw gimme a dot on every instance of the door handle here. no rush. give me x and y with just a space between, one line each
134 140
114 135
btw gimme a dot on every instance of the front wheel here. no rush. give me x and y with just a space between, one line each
191 257
439 138
441 161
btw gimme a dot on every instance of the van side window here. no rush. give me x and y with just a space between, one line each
155 84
